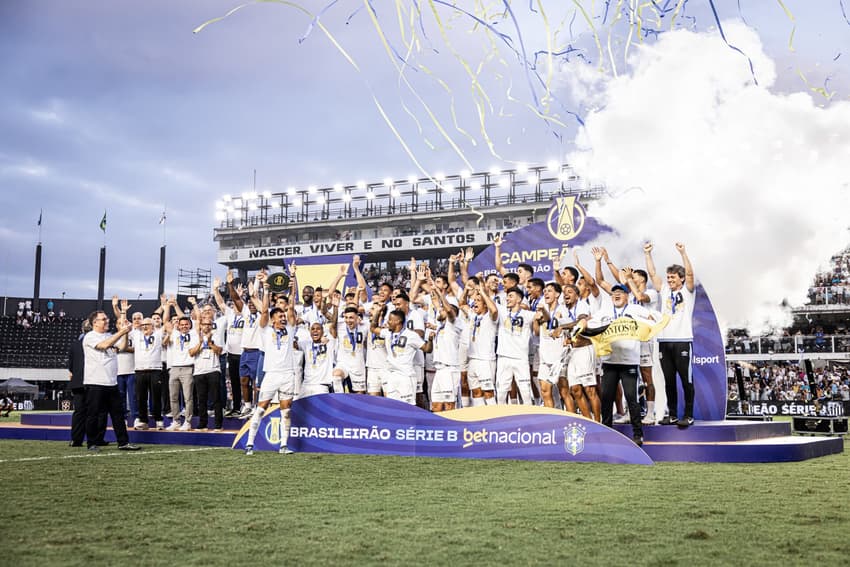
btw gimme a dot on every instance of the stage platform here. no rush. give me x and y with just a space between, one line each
56 426
709 442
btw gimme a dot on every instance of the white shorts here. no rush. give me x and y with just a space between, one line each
308 390
508 369
549 372
278 382
481 374
375 378
581 368
356 375
648 353
400 387
446 383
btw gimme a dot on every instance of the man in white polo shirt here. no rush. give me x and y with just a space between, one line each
100 378
147 357
675 342
179 341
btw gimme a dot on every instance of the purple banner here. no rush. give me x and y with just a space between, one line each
359 424
568 225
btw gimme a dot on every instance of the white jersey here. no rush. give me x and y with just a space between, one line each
552 347
101 366
235 328
351 347
251 332
148 350
318 360
401 350
311 314
179 349
415 321
626 351
514 333
679 305
600 303
277 345
207 361
126 360
482 337
652 305
376 351
446 344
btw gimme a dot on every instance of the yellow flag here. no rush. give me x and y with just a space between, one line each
626 328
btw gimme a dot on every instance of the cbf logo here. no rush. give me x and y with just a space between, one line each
574 435
272 431
566 218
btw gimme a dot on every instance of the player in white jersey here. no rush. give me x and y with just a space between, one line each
621 365
376 356
181 364
402 344
515 326
318 350
675 342
578 385
414 320
446 385
240 382
351 334
483 317
550 314
278 330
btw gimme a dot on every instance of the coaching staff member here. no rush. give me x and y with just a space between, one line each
101 379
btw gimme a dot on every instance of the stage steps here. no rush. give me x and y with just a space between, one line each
732 442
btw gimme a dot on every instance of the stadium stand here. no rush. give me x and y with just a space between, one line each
40 345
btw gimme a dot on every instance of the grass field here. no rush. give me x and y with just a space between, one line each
201 506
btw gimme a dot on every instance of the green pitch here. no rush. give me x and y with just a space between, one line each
201 506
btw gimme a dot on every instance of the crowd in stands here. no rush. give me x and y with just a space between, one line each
832 286
787 381
26 316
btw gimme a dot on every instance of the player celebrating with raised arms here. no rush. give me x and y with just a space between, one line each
278 331
514 333
402 344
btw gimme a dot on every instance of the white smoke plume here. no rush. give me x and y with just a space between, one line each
755 183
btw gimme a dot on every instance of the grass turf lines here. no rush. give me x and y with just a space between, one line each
212 506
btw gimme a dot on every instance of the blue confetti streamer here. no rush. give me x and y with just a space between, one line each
723 35
844 12
354 13
315 20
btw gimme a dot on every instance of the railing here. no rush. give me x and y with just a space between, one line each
789 344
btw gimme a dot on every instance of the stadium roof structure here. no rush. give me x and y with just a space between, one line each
391 219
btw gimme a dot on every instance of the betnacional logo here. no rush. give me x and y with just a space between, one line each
574 435
272 430
566 218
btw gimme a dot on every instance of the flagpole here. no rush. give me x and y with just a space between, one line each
163 222
40 215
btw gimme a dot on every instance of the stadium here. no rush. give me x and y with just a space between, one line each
541 361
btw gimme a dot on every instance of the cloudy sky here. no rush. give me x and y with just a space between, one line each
117 106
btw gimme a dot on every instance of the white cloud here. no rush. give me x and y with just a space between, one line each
755 183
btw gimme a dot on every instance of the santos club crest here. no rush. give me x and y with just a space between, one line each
574 435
